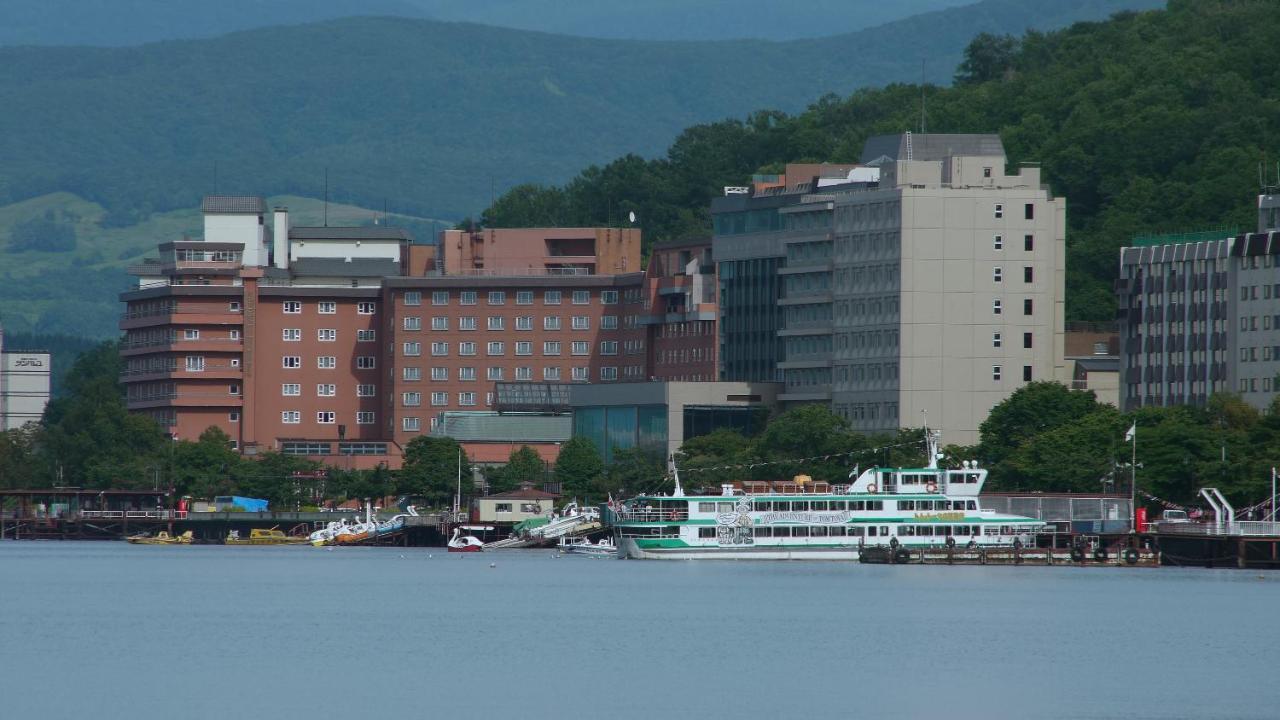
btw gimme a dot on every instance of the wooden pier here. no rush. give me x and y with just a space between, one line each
1078 556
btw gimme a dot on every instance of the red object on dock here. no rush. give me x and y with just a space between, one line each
1140 519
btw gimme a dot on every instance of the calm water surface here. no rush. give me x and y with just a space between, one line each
110 630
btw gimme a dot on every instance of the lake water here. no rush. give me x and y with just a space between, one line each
110 630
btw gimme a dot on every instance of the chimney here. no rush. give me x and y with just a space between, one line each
280 241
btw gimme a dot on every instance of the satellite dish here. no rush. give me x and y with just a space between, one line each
632 215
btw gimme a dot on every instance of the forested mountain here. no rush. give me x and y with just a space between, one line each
131 22
1145 122
427 116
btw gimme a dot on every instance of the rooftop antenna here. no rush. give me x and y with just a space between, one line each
922 106
215 177
326 196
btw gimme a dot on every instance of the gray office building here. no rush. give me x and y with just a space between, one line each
1200 313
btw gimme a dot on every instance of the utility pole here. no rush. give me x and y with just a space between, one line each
457 496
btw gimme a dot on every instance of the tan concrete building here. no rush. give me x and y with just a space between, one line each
514 506
566 251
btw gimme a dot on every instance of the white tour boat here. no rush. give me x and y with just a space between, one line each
805 520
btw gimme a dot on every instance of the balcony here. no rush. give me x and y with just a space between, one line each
210 371
181 314
185 398
143 347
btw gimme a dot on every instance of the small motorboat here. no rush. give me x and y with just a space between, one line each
464 543
584 546
161 538
274 536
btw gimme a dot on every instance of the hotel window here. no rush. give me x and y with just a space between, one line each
292 307
1026 340
488 399
581 297
581 322
997 274
412 322
581 374
190 334
409 424
233 306
497 297
466 399
365 362
1029 211
550 373
1027 274
1026 373
496 348
1027 306
326 390
999 212
412 349
233 416
439 323
467 297
411 399
609 297
551 322
609 322
986 172
290 417
366 308
364 417
411 374
466 373
524 348
1028 242
551 297
524 373
467 323
325 417
439 348
233 334
291 334
291 389
998 242
608 373
439 373
496 323
327 307
326 362
580 347
609 347
439 398
413 297
467 348
551 347
996 307
368 390
291 361
366 335
440 297
326 335
524 297
524 322
995 339
495 373
995 372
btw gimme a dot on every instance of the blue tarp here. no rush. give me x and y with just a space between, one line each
247 504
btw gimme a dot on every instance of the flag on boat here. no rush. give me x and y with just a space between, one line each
1133 430
854 472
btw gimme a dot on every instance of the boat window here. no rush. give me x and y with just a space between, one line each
763 532
799 532
971 504
782 532
839 505
906 504
1006 530
857 505
818 505
884 531
871 531
854 531
942 530
925 530
799 506
906 530
724 507
836 531
875 504
706 532
706 507
760 505
819 531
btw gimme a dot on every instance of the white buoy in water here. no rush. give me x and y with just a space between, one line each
493 565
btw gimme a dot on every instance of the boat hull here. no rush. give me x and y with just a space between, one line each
466 548
629 548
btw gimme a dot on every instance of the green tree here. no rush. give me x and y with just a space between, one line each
577 467
20 464
988 57
270 476
809 431
1031 409
430 470
699 457
633 471
523 466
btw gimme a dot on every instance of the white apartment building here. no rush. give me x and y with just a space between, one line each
24 386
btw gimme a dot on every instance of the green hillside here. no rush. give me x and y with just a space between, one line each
427 116
1148 121
73 292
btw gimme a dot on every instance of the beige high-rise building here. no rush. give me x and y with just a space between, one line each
945 283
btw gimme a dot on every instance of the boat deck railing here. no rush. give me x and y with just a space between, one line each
1244 528
138 514
652 515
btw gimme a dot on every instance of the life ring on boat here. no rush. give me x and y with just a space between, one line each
1130 557
1077 554
1100 554
931 488
951 541
901 556
872 488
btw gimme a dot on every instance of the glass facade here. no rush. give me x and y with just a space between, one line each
622 427
705 419
750 318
